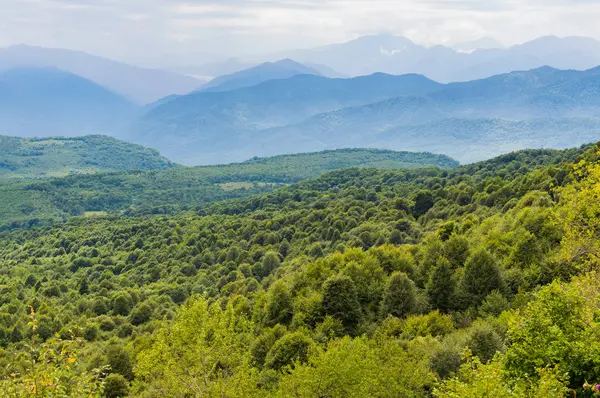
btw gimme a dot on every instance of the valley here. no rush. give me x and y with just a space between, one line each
229 217
146 183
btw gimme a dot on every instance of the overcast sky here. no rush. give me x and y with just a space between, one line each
179 32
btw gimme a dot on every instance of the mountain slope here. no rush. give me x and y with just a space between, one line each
140 85
283 69
304 271
32 158
183 188
206 127
49 102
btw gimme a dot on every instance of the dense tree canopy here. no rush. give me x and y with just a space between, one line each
362 282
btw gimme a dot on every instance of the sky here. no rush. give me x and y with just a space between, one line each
174 32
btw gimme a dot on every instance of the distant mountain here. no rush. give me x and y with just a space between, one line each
33 158
468 121
139 85
210 127
364 55
282 69
49 102
466 61
541 107
580 53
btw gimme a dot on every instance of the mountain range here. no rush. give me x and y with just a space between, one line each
399 55
470 121
286 106
213 127
476 59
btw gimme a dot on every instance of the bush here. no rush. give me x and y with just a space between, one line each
290 349
141 314
484 342
340 301
115 386
400 297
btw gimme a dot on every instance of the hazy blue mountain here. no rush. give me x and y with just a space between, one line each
139 85
310 113
48 102
542 107
466 61
283 69
580 53
365 55
206 127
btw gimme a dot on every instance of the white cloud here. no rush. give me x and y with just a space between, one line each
192 31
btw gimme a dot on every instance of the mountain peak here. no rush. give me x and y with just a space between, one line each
282 69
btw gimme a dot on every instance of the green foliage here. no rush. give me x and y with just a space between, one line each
33 158
478 380
558 328
115 386
266 296
360 368
50 369
341 302
399 299
424 201
441 287
290 350
170 191
484 342
203 352
481 277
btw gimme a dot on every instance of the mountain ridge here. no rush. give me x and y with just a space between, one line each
48 101
47 157
237 131
282 69
127 80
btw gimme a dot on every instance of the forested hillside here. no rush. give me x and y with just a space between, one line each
34 158
161 191
467 282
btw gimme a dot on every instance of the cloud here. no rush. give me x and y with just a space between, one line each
194 31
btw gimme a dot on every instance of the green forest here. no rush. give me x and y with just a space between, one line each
470 281
35 158
148 184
